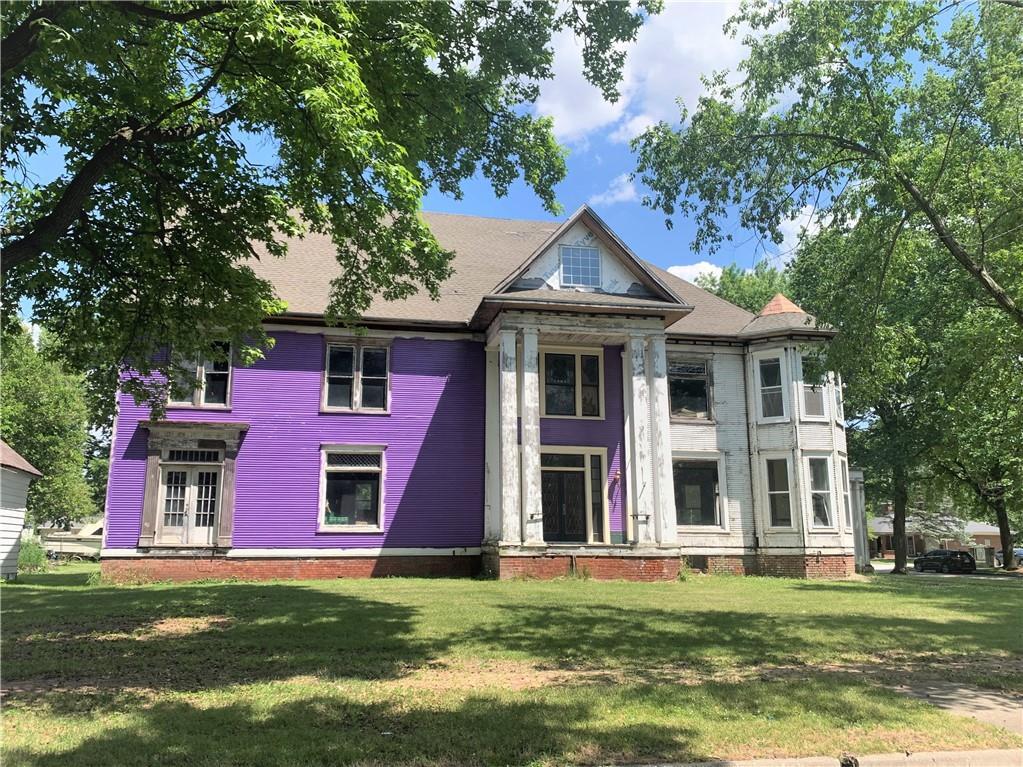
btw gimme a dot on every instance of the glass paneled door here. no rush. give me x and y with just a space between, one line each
189 505
572 497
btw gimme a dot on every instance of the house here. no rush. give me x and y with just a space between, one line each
563 407
16 474
882 543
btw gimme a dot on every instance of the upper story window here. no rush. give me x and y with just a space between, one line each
356 377
696 493
839 405
572 385
820 491
580 266
352 497
772 397
689 386
813 394
214 377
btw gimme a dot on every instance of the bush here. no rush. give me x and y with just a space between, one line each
31 556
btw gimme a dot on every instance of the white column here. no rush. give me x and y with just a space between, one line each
640 478
666 530
532 511
511 523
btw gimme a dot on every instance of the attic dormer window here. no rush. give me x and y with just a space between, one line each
580 267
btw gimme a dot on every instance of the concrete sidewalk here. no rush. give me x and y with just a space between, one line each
995 758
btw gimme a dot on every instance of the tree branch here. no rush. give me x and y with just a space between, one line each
21 42
155 12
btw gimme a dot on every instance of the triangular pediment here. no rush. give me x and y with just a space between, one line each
619 273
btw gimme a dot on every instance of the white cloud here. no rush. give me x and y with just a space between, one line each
621 189
690 272
672 50
804 224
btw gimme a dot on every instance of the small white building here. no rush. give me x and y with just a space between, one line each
15 476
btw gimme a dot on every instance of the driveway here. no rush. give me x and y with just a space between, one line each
988 575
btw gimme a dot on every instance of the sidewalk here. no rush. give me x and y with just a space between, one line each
1001 758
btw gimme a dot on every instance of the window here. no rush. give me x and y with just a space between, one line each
351 488
845 495
572 384
580 267
696 492
839 405
820 491
772 400
813 394
689 386
356 377
214 377
778 497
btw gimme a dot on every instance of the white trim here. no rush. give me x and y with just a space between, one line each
808 494
706 456
342 334
845 493
765 490
357 347
325 450
786 405
579 352
463 551
586 452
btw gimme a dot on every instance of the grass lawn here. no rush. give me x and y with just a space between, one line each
440 672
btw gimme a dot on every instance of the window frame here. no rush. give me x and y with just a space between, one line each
358 347
826 395
321 506
198 400
786 406
721 502
586 452
767 492
579 353
846 491
839 399
708 376
561 267
832 490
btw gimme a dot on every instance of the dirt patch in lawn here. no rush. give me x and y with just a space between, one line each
177 627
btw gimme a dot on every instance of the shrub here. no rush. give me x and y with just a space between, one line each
31 556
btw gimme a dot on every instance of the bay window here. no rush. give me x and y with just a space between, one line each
779 496
820 491
772 396
813 388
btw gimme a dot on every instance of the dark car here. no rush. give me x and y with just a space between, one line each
946 561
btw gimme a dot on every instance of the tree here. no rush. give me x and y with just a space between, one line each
143 240
750 289
43 416
938 522
908 110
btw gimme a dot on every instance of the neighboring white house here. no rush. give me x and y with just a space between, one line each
15 476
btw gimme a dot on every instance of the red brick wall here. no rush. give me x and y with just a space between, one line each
807 566
732 565
198 568
601 568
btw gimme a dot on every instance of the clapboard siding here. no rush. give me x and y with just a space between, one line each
433 488
13 492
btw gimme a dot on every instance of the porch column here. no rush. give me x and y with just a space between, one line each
666 531
511 522
640 480
532 509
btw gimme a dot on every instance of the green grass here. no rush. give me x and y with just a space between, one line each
439 672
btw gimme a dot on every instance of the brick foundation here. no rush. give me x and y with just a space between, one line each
807 566
601 568
145 569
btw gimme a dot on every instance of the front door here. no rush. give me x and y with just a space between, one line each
189 509
564 505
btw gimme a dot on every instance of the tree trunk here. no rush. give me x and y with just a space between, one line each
900 495
1008 560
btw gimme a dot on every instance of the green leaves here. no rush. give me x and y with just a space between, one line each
145 238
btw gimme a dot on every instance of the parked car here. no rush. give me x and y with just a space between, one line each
946 561
1000 557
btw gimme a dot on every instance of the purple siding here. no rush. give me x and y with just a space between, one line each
433 490
608 433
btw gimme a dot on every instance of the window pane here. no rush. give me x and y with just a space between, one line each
215 390
819 474
562 460
781 512
339 392
174 499
374 393
772 404
184 377
352 498
591 400
696 492
220 363
770 372
821 512
339 360
688 397
580 266
559 400
597 497
777 475
205 498
813 400
590 369
559 369
374 363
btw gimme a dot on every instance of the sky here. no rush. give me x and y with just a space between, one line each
671 52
